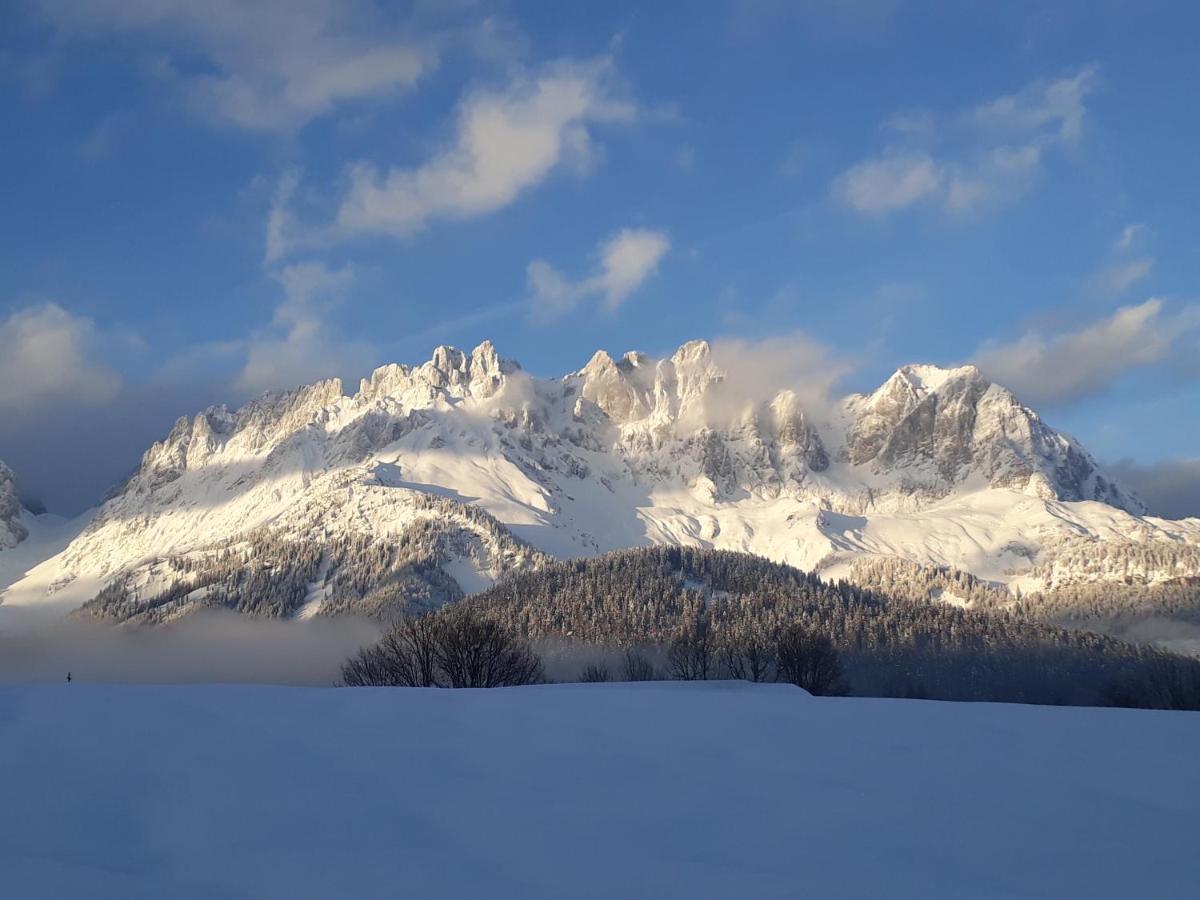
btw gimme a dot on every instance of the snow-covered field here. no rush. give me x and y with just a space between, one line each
616 790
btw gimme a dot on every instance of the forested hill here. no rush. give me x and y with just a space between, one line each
647 597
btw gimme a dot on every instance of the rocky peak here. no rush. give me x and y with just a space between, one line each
12 531
621 389
940 425
449 373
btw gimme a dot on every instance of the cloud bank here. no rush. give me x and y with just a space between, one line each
1170 488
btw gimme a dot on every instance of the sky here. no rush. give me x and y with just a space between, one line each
201 202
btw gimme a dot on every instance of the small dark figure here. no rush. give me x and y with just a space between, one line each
68 678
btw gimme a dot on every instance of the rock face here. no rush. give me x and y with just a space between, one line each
12 531
938 466
944 426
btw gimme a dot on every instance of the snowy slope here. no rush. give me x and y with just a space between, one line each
937 466
704 789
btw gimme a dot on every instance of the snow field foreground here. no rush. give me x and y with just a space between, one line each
713 789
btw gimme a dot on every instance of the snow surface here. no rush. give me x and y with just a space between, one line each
48 535
718 789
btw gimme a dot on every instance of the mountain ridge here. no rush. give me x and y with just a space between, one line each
938 466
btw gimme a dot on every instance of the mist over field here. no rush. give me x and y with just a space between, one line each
207 647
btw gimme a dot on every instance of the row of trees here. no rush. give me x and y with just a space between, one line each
460 647
797 655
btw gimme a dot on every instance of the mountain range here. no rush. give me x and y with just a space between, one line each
432 481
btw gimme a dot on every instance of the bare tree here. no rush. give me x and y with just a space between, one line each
454 647
474 652
636 667
689 656
595 673
747 655
405 657
808 659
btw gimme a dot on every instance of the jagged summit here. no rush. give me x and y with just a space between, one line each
925 433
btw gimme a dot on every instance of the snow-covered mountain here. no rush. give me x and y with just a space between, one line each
453 458
12 531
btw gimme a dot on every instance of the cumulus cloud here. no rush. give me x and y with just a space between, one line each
268 66
995 150
1170 488
1060 368
301 345
625 261
505 143
49 355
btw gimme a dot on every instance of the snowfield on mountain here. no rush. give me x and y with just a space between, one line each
476 469
702 789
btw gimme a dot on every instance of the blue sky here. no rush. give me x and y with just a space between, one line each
202 201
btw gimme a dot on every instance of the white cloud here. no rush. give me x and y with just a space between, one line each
506 142
1130 235
270 65
1060 368
890 182
998 148
1054 105
1121 276
626 261
48 355
301 345
1125 271
282 228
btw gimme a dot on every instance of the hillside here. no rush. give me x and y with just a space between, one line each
712 790
891 645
